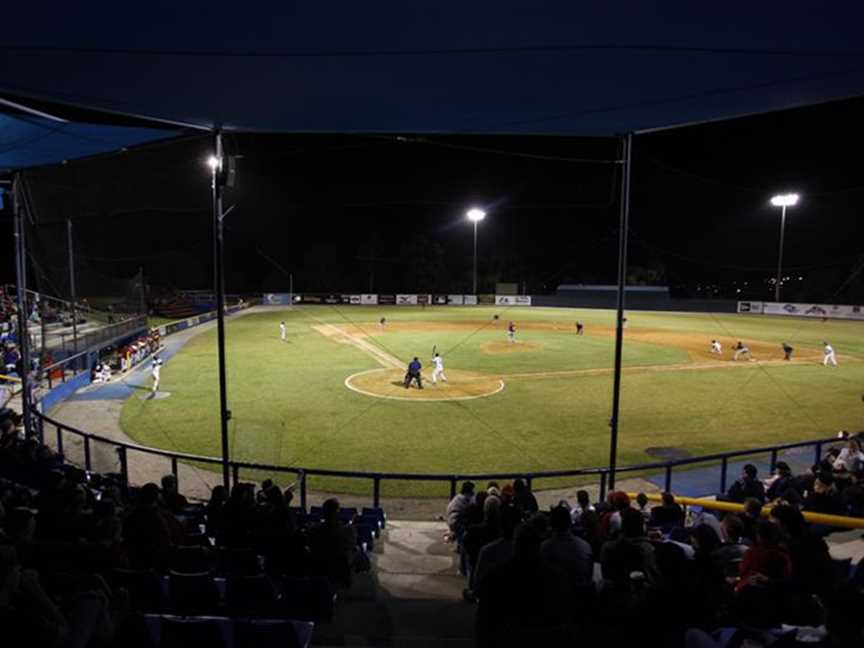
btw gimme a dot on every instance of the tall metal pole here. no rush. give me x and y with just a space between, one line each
475 257
72 289
780 255
21 294
219 288
627 145
291 289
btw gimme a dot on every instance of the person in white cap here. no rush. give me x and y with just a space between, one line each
282 331
830 358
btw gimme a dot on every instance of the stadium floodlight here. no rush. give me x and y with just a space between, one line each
475 216
214 162
785 200
782 201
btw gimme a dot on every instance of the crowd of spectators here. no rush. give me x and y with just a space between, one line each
834 485
127 356
75 546
627 573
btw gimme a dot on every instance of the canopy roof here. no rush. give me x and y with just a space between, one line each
427 66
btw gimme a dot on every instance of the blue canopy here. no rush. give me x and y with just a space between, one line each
27 141
427 66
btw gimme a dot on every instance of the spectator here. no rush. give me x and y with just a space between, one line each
524 499
748 485
173 500
781 484
496 553
642 506
851 458
668 515
478 535
610 519
583 504
733 545
216 512
766 560
628 553
750 518
333 546
824 497
565 552
810 563
149 531
457 509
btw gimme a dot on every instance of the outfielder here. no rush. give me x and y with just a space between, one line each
580 328
438 371
282 331
156 367
740 350
716 347
830 358
511 332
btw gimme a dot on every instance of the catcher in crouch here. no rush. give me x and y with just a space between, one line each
413 373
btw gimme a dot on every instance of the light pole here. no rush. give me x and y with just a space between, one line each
475 216
782 201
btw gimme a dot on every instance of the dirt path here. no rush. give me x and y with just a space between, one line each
340 335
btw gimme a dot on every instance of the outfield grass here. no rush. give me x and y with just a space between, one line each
290 405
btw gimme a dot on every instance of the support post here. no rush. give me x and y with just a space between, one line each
780 254
219 288
475 258
21 295
73 294
627 144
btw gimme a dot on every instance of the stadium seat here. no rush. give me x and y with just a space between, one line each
144 588
377 512
373 520
365 535
239 562
308 599
266 633
191 560
347 515
251 596
316 514
193 593
183 633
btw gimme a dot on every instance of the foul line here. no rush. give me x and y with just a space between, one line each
387 360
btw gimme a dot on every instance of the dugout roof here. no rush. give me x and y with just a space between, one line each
425 66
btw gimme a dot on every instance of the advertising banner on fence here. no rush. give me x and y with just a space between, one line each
513 300
439 300
387 299
276 299
828 311
368 300
456 300
406 300
470 300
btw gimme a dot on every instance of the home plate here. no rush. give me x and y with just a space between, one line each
155 395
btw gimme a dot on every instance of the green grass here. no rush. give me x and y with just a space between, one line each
290 405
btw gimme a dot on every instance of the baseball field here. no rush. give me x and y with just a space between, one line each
331 395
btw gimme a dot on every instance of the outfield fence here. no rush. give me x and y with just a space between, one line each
87 443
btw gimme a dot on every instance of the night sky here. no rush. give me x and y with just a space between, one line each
386 213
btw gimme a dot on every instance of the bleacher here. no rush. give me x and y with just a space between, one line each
218 574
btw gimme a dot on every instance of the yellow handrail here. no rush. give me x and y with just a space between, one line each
10 378
816 518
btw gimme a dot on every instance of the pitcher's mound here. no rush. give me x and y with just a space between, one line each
510 347
388 383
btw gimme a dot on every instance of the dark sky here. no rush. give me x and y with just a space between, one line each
386 213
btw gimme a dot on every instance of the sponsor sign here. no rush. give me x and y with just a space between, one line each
513 300
333 299
439 300
470 300
486 299
457 300
355 299
369 300
406 300
523 300
386 299
829 311
276 299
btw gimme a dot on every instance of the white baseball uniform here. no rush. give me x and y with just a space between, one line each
830 358
157 367
282 331
715 347
438 371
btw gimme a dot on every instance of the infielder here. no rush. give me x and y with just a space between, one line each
830 358
282 331
413 373
438 371
787 351
511 332
740 350
716 347
579 328
156 367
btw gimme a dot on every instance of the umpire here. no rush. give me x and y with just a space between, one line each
413 373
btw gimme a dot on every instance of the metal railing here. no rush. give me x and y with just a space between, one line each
601 475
